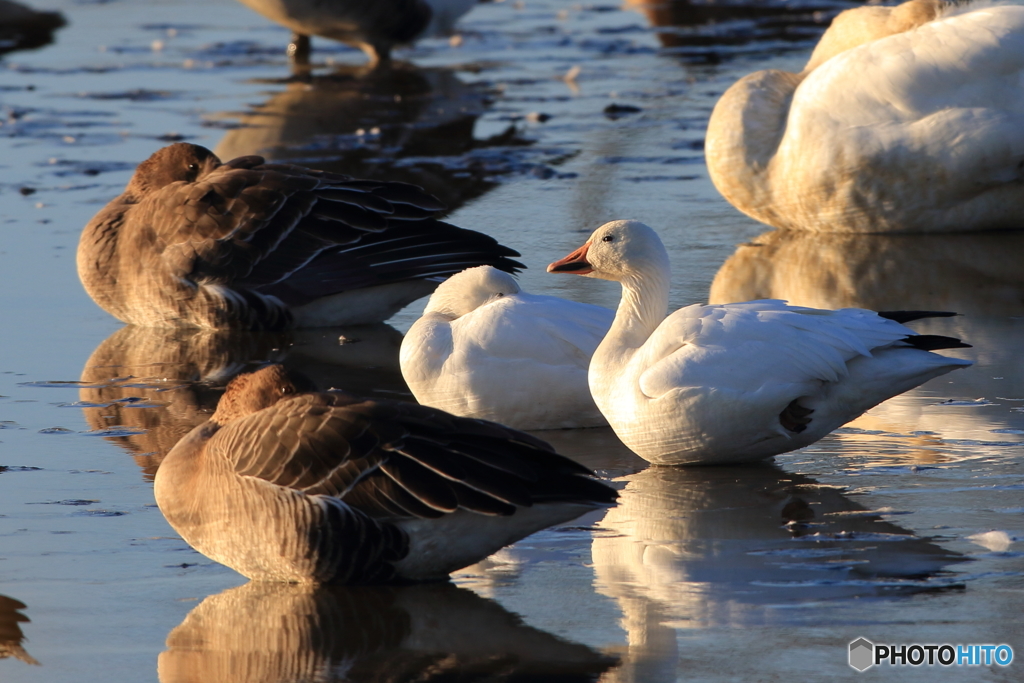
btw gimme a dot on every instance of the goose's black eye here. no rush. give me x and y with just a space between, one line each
193 167
608 238
501 294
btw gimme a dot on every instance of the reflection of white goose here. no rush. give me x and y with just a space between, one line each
980 406
698 548
161 382
486 349
975 274
906 119
277 632
735 382
329 488
972 274
374 27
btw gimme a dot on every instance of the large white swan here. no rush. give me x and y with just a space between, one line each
905 119
735 382
486 349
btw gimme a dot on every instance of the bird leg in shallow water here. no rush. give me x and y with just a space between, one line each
794 417
299 49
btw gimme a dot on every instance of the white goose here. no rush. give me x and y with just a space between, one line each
486 349
736 382
905 119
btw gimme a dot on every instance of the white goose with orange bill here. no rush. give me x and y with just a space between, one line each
737 382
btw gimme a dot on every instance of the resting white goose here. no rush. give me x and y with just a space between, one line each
324 487
486 349
736 382
905 119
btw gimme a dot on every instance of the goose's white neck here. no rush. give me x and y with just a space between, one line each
642 309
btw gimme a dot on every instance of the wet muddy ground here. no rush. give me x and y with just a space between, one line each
903 527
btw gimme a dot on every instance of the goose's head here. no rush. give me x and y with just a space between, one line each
860 25
467 291
178 162
252 392
620 250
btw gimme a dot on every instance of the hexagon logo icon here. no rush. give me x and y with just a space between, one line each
862 654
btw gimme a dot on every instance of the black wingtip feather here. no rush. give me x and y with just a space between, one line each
934 342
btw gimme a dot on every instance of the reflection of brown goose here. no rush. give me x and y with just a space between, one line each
178 373
705 547
976 273
372 124
276 632
11 636
163 382
329 488
248 245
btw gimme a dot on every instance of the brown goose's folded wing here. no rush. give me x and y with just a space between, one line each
407 250
393 459
259 225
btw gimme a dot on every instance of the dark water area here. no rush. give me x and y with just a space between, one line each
544 120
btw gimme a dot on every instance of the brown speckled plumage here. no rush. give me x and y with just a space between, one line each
374 27
243 244
326 487
11 637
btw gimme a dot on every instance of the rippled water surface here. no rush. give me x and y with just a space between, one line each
904 526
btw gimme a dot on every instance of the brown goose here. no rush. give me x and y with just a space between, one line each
250 245
374 27
328 488
11 637
23 28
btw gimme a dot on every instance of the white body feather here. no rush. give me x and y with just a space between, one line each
437 547
500 354
711 382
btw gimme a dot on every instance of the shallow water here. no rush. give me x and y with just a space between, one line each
901 527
